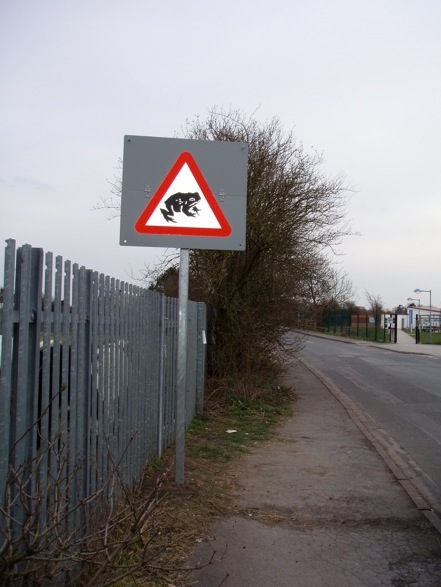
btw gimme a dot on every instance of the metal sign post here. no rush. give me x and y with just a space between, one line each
181 388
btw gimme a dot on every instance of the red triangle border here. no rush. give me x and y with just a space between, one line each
184 158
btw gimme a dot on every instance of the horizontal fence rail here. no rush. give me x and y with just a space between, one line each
87 384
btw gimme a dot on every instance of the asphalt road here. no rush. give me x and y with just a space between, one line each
399 394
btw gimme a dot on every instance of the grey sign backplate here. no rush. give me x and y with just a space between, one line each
148 160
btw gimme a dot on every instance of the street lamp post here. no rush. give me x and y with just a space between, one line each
419 311
429 291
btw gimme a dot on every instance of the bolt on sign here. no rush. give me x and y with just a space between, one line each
184 193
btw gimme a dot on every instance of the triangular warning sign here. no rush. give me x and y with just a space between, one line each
183 205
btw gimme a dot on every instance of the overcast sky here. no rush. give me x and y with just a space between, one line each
359 81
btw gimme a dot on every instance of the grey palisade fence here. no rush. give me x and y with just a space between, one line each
87 384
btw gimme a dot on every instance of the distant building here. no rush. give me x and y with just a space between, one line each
424 314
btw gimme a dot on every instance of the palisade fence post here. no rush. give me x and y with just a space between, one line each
44 393
94 403
55 374
101 406
200 357
80 391
7 332
170 346
108 435
191 370
66 359
72 342
25 378
161 378
86 383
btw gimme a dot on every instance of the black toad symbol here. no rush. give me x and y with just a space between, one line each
181 202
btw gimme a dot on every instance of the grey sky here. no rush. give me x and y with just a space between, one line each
359 81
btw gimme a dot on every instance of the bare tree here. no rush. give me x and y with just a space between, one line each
112 204
375 303
294 215
328 287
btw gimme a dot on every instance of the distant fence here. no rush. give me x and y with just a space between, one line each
366 326
87 382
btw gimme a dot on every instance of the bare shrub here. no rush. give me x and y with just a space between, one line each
48 538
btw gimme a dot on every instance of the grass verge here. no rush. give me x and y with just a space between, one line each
425 337
233 422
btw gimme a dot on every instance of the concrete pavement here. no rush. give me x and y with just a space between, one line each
406 344
317 506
